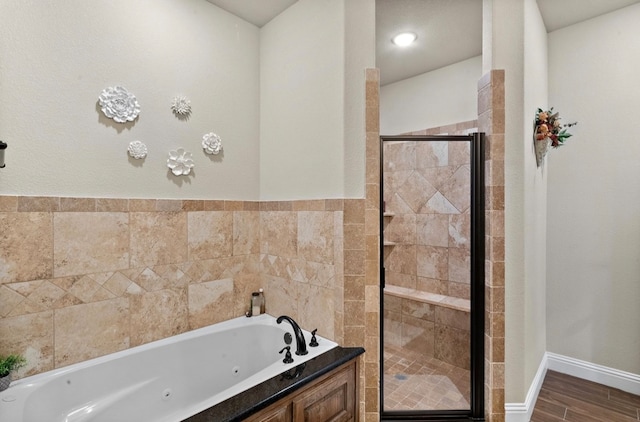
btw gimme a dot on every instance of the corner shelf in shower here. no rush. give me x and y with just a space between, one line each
386 242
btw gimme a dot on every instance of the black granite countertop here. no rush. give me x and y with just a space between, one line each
262 395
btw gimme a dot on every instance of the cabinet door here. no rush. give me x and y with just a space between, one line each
276 413
332 400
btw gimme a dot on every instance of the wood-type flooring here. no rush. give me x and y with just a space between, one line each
566 398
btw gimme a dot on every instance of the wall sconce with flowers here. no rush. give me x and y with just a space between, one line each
548 132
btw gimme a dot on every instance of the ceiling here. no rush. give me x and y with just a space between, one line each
560 13
258 12
448 31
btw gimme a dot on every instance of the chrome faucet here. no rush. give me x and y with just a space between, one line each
301 344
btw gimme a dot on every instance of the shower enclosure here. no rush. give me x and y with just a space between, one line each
432 277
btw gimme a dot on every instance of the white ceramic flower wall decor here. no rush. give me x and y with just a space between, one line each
180 162
137 150
211 143
181 106
119 104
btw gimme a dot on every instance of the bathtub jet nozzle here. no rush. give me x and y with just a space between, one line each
301 344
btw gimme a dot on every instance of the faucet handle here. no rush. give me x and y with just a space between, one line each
287 356
314 341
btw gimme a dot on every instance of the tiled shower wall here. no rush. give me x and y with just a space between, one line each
84 277
427 187
432 330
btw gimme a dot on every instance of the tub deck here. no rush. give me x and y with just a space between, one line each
259 397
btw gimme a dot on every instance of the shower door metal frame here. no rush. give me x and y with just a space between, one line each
477 281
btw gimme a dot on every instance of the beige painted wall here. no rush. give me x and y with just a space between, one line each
360 54
515 41
289 109
312 61
57 57
441 97
593 228
301 101
535 195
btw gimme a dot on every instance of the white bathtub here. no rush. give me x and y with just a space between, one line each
164 381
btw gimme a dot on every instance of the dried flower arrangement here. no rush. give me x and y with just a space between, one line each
549 132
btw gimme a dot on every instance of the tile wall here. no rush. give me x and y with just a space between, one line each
84 277
427 198
370 275
491 121
432 330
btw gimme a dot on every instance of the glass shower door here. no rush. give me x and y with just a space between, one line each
432 248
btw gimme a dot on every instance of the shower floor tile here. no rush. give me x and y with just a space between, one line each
416 382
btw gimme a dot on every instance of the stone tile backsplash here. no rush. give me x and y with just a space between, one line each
84 277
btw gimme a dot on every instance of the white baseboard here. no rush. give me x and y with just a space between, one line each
614 378
521 412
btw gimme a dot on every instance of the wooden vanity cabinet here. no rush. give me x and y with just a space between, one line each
331 398
274 413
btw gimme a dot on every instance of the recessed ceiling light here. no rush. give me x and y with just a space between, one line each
404 39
